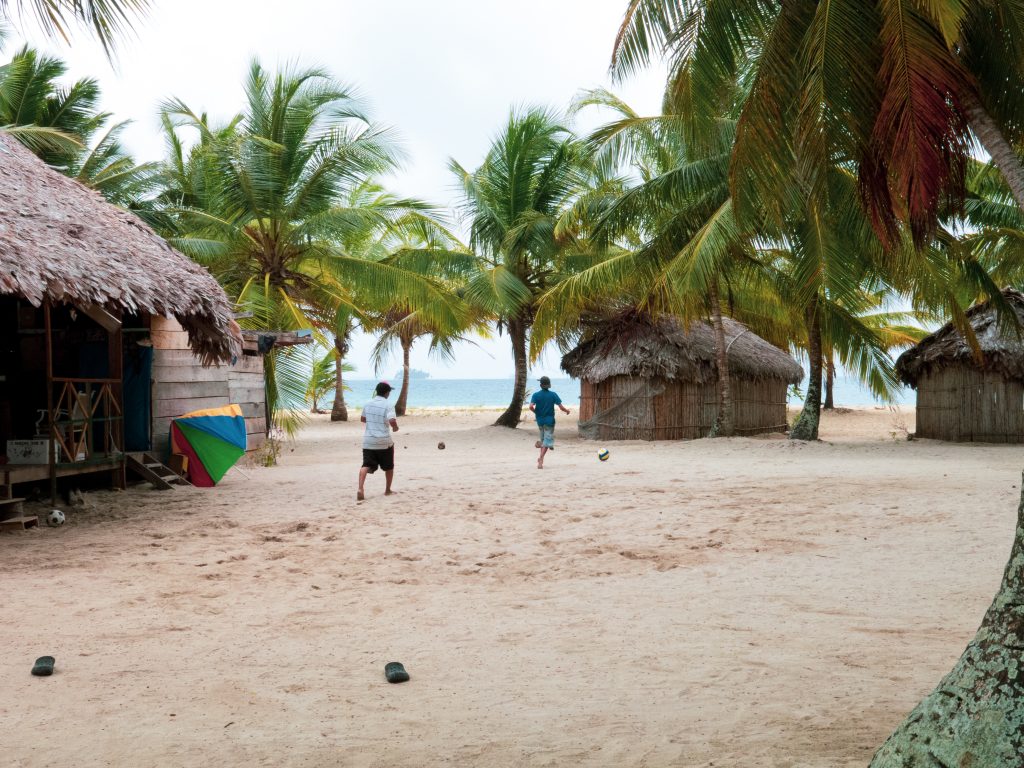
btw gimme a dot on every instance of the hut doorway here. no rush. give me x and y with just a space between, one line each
138 396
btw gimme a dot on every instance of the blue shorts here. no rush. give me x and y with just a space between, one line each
547 435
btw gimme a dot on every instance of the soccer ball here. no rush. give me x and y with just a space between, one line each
54 518
603 454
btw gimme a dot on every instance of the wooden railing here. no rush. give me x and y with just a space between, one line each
86 422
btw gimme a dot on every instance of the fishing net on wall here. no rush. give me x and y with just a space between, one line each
631 413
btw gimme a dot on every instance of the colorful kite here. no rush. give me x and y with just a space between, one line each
213 440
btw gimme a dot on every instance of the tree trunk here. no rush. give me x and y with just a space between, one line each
517 328
975 717
995 143
724 423
403 395
339 412
806 427
830 378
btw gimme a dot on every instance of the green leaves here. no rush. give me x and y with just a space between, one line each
282 205
59 123
107 19
520 205
30 95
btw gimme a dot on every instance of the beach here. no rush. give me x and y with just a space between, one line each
729 602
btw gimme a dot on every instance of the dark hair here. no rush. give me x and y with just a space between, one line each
383 389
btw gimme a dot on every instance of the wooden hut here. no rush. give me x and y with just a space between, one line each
960 397
658 381
181 383
81 284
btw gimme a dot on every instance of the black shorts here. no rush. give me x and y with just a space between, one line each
379 457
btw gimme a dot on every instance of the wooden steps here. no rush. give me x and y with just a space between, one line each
13 517
159 475
19 523
10 508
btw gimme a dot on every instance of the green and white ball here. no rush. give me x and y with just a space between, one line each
603 454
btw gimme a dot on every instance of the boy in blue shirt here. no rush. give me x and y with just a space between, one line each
542 404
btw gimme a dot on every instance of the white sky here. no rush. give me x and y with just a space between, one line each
444 73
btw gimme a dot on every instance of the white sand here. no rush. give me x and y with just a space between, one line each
745 602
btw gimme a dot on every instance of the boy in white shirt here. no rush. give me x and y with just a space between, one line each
378 447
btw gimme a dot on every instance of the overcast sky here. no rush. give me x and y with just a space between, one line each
444 73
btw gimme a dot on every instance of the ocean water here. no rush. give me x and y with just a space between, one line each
462 393
495 393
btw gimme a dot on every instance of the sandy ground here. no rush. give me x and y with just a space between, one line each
744 602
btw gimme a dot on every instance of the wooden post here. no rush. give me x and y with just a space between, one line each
49 404
114 433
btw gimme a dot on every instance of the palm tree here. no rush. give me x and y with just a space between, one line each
264 203
64 127
801 286
895 87
403 326
669 240
322 375
52 120
404 227
520 207
107 19
107 167
893 329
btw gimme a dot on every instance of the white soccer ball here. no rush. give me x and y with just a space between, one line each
54 518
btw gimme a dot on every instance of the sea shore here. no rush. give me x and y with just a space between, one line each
731 602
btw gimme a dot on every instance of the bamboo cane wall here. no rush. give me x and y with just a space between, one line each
963 404
181 384
677 410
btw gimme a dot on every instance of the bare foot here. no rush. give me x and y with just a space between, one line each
390 493
360 496
540 465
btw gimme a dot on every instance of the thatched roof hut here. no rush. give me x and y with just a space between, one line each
656 380
964 397
61 242
1002 347
666 350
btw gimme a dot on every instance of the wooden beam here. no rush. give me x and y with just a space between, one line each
101 317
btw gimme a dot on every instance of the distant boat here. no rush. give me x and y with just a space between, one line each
413 374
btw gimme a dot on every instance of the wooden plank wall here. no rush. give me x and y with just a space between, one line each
963 404
245 387
181 384
759 406
682 410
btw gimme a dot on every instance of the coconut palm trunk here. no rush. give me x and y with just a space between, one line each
339 411
724 423
976 714
806 427
830 380
403 395
992 139
517 328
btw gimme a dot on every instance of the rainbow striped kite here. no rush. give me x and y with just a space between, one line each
213 440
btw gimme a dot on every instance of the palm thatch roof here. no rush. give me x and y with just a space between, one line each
1001 344
664 349
61 242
